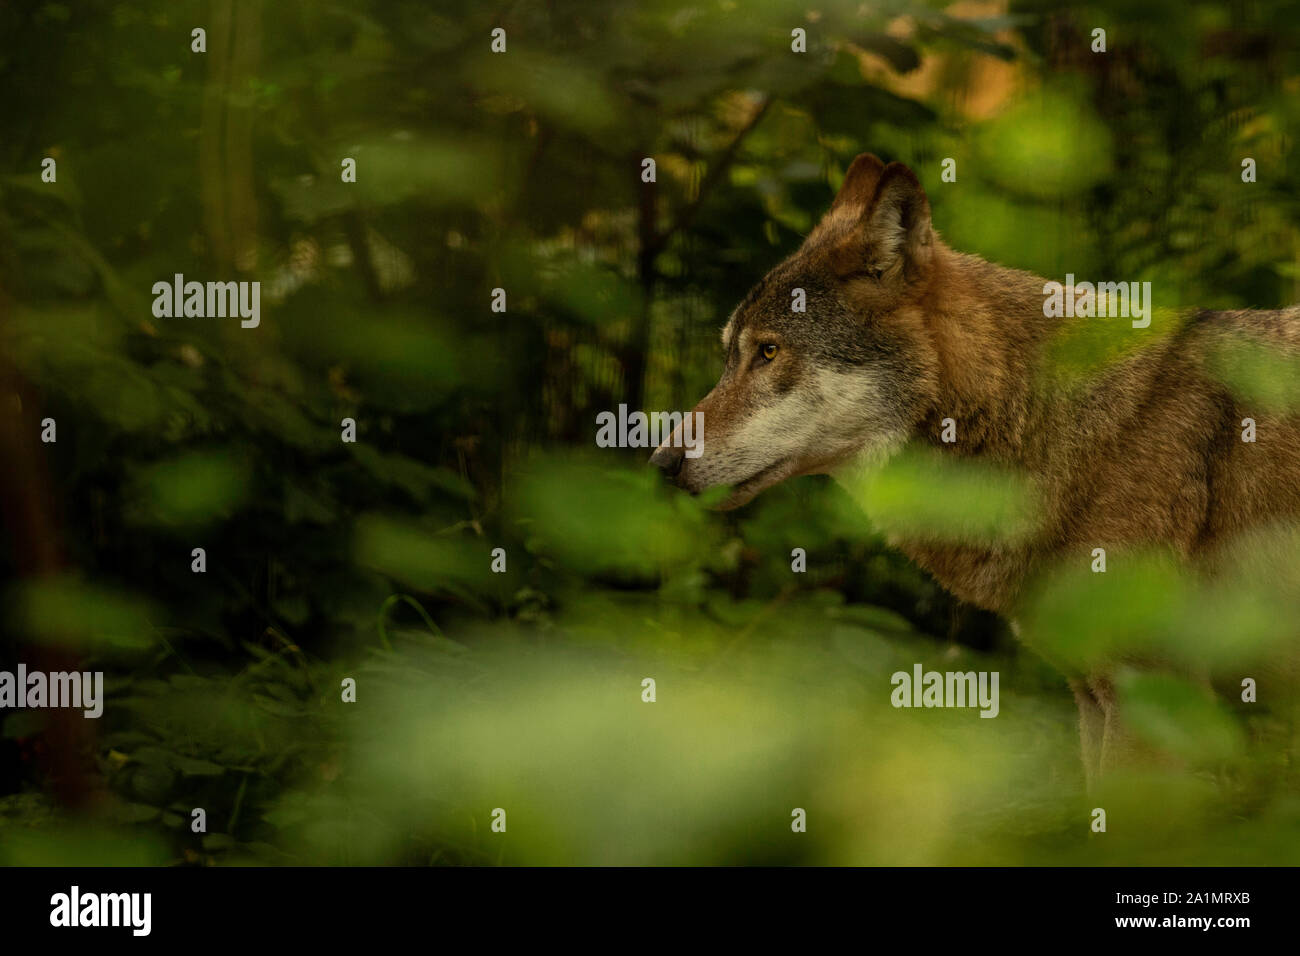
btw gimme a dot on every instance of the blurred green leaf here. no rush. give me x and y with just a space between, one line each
1178 717
64 610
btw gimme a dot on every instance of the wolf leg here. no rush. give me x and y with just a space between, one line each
1121 749
1092 725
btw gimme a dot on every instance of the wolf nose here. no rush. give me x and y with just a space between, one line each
668 459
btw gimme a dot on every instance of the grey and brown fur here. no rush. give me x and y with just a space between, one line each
902 332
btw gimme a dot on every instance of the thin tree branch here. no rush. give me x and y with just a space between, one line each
686 215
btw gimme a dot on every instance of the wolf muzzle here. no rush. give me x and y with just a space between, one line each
668 459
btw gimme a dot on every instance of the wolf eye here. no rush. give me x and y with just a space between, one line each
768 351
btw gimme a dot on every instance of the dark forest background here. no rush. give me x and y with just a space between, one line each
371 560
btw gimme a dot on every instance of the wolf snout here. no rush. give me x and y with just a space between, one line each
668 459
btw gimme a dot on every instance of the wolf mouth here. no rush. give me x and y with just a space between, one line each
761 473
744 491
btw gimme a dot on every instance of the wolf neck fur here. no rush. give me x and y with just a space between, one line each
986 326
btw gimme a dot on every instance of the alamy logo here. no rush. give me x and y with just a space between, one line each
181 299
639 430
1105 300
103 909
924 688
57 689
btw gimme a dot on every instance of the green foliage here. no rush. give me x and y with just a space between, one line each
932 497
328 560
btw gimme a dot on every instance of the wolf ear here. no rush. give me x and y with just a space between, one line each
893 235
859 183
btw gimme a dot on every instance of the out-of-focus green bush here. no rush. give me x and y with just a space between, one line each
372 561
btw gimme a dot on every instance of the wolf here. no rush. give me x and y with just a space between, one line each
904 341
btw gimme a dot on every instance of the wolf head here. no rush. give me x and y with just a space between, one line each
846 380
